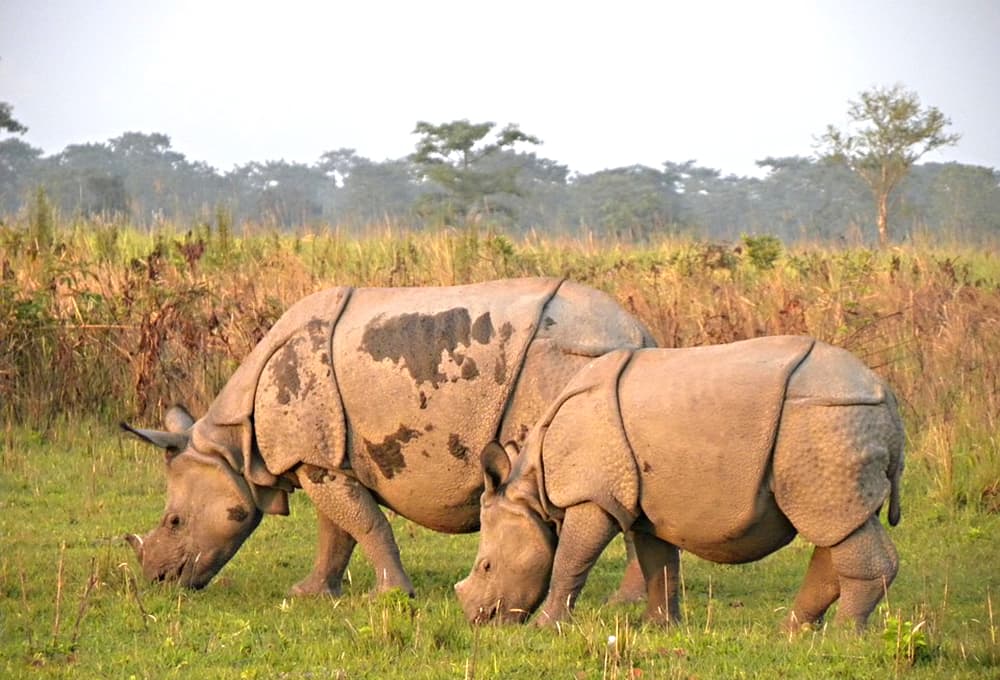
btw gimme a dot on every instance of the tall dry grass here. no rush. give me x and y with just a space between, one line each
102 319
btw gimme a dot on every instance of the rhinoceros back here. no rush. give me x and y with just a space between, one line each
425 375
702 423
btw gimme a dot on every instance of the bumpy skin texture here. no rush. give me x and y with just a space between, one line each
725 451
369 397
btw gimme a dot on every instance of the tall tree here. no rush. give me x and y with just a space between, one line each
888 132
634 202
452 155
7 121
19 163
805 198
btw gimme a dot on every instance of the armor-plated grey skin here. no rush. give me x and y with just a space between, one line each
724 451
367 397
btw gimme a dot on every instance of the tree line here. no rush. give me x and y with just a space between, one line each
463 172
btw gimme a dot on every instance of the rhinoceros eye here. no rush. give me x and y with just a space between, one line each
173 520
485 566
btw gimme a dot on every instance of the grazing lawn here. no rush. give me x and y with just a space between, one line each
111 326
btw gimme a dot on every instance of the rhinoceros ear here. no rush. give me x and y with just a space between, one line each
177 419
496 466
173 442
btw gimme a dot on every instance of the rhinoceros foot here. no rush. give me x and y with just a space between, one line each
633 585
310 587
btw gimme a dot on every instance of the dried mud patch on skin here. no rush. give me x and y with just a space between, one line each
237 513
482 328
469 369
456 448
418 341
285 373
318 475
319 335
388 454
500 366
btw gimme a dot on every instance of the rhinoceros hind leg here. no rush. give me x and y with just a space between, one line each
633 585
333 553
351 506
866 563
660 562
819 590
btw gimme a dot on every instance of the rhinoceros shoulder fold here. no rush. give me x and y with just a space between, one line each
235 402
581 448
229 420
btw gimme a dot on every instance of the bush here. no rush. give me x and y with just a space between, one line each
762 251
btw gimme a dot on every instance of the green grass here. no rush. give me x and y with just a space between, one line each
71 606
103 322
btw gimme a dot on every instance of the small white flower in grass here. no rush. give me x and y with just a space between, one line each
612 640
284 606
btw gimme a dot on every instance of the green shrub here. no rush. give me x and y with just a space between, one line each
762 251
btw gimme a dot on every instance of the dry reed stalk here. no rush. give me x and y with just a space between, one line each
59 592
92 582
24 604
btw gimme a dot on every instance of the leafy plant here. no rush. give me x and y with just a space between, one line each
762 251
905 640
41 221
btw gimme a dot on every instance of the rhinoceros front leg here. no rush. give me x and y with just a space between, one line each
333 552
351 507
586 532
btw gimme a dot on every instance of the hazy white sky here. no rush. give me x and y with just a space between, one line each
602 84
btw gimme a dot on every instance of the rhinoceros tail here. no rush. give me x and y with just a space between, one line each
896 462
894 510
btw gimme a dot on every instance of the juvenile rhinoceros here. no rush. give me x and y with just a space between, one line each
725 451
371 396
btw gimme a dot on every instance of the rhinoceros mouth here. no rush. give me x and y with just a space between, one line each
172 573
184 572
499 614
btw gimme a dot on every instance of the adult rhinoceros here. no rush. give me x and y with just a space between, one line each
725 451
366 397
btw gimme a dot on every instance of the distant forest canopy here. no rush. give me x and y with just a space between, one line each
141 178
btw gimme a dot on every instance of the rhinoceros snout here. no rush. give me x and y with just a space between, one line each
475 612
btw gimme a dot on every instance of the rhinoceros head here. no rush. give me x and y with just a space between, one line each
511 573
210 508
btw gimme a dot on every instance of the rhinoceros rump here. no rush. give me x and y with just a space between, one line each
367 397
725 451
